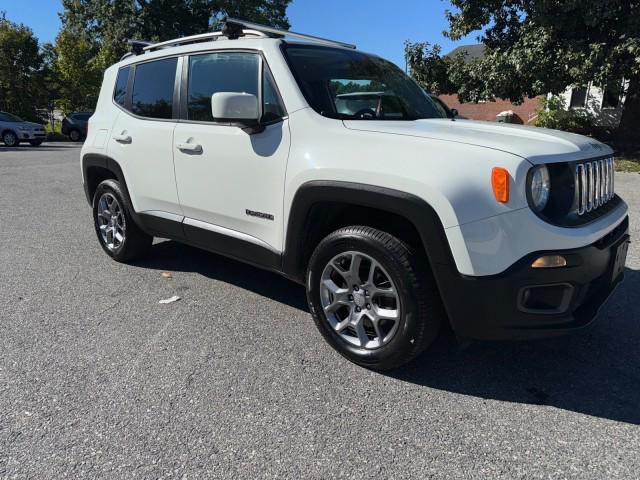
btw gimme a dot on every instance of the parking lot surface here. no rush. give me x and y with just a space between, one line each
99 380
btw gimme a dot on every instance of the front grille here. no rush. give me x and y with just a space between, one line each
594 183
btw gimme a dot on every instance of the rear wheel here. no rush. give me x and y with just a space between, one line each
75 135
117 233
10 139
372 297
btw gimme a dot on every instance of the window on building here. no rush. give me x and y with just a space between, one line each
612 94
578 97
153 88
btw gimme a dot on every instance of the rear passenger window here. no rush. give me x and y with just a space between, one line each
120 92
219 72
153 88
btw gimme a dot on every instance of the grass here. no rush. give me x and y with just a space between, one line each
628 163
55 134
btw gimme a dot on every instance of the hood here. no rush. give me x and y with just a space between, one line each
538 145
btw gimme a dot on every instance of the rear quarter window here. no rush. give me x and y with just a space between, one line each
120 92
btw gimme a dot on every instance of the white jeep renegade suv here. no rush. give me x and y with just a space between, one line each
247 143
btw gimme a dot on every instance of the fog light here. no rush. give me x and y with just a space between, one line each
549 261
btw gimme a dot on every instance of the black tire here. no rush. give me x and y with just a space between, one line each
136 243
10 139
421 310
35 143
75 135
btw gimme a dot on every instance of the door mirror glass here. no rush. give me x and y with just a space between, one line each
235 107
454 112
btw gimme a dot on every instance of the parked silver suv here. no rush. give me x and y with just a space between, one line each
14 130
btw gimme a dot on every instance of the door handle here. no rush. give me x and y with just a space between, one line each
122 137
189 147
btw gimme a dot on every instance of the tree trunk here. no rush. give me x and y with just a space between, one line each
627 134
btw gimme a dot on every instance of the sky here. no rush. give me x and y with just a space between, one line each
372 25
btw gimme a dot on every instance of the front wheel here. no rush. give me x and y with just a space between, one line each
372 297
10 139
117 233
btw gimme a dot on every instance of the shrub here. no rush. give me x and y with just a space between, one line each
552 113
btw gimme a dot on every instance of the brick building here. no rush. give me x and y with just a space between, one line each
524 113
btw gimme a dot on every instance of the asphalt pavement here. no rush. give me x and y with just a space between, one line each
99 380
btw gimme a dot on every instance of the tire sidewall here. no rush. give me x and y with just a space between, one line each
112 187
9 135
408 327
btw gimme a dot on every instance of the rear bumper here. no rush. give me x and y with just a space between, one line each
498 307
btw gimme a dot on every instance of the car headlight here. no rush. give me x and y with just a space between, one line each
539 187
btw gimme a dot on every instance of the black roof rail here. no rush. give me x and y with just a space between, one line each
137 46
234 27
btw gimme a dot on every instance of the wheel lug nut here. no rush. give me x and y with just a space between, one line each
351 298
368 306
356 288
358 309
366 292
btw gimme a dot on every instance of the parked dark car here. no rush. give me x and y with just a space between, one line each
14 130
75 124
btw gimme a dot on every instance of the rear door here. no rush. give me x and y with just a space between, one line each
142 136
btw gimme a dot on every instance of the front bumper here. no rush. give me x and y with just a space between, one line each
497 307
32 135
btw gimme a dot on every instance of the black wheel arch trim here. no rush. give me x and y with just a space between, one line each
9 130
416 210
107 163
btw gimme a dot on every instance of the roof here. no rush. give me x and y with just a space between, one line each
471 52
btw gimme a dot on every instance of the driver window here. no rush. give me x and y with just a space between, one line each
219 72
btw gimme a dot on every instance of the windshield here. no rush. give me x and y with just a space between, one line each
7 117
442 106
351 85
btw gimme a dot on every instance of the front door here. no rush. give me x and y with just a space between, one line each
231 182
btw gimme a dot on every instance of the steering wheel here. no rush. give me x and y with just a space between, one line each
370 112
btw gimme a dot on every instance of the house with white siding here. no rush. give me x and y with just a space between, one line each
604 105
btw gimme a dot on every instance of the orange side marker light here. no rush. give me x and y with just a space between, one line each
500 184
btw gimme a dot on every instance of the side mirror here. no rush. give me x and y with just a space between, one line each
454 112
234 107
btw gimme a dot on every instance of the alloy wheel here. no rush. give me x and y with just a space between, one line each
10 139
360 300
111 222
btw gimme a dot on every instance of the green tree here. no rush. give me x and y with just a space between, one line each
49 81
108 23
21 70
535 47
78 69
